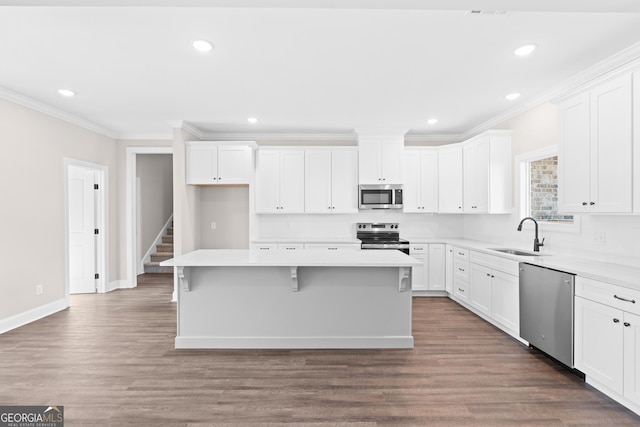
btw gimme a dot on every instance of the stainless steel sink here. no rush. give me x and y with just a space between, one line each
516 252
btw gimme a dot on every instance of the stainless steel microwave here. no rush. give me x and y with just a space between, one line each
382 196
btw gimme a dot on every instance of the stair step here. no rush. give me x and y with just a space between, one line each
167 239
155 267
161 256
164 247
170 231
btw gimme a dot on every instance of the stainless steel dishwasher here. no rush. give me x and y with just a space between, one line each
546 310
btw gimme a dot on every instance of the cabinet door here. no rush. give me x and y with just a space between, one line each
391 162
419 274
437 262
267 194
632 357
480 288
412 192
344 181
369 163
470 180
482 155
202 164
450 180
317 170
449 270
599 343
611 147
234 164
505 300
429 180
292 181
574 155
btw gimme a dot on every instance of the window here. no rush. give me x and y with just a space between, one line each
539 190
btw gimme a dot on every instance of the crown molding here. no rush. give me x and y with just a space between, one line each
167 136
448 138
187 127
32 104
280 136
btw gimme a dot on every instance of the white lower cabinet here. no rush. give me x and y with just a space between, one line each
430 276
277 246
607 339
448 277
489 285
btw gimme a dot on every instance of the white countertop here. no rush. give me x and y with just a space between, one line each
618 274
323 240
249 258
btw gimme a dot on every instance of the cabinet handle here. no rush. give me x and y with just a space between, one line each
592 203
488 275
332 249
627 324
584 203
460 269
616 320
461 290
460 253
219 178
492 276
632 301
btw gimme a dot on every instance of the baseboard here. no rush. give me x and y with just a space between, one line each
311 342
118 284
32 315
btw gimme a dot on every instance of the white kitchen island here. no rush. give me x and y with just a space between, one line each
303 299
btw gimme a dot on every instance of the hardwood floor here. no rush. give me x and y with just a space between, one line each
109 359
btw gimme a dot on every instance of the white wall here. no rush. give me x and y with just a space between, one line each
32 184
156 196
228 207
533 130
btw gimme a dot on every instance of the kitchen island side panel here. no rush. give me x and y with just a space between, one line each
256 307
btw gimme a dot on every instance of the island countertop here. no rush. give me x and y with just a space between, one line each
248 258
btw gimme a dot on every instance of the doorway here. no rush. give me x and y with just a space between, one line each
85 227
133 200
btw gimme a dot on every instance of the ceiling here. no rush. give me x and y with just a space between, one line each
304 68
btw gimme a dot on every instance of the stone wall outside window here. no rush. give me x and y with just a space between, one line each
544 191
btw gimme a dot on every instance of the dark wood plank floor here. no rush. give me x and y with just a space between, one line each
110 360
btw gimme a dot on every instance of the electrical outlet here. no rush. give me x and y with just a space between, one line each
599 238
213 225
39 289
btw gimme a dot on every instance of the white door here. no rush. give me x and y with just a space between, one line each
82 247
234 164
450 180
369 163
292 182
429 181
267 192
632 357
391 162
202 164
436 273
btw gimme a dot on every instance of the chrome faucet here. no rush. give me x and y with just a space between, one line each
536 243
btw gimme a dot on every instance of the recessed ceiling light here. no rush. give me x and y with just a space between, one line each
512 96
252 120
525 50
432 121
202 45
66 92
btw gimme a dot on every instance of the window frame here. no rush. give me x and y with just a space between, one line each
522 162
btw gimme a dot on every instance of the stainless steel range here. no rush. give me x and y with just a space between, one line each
381 235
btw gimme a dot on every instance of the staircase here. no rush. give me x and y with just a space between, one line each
163 252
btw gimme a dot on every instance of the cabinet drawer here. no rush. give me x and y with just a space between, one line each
461 253
495 262
336 247
418 249
606 293
461 270
264 247
461 289
290 246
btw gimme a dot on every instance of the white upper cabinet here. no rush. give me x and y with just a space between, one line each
595 153
420 180
450 179
279 181
209 163
331 180
380 161
487 173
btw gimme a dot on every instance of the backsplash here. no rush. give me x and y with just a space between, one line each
607 238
